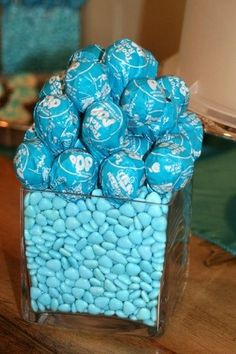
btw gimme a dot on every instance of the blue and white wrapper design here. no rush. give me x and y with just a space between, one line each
143 101
167 121
169 166
121 175
53 87
135 144
30 134
74 171
93 52
126 61
175 89
191 127
56 123
103 128
86 82
32 164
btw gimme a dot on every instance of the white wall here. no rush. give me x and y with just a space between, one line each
155 24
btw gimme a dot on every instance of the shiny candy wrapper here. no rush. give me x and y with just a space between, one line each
104 126
86 82
121 175
125 61
176 89
32 163
30 134
191 127
135 144
167 121
143 101
93 52
56 122
74 171
53 87
169 165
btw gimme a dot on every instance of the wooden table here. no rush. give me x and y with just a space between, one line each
204 322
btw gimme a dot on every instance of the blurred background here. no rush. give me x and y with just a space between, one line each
194 39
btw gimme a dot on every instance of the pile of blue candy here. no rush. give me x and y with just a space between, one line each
107 127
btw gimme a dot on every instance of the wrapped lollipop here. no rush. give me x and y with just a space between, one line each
86 82
166 123
56 122
103 127
149 111
121 175
136 144
93 52
32 163
30 133
169 165
191 127
54 86
126 61
74 171
176 89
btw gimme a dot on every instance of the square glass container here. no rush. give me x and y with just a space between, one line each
95 263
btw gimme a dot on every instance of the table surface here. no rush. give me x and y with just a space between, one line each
204 322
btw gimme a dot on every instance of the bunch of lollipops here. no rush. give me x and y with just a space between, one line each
110 122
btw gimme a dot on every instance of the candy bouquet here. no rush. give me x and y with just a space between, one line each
111 145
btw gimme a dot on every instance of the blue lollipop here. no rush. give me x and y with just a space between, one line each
135 144
30 133
126 61
53 87
169 165
191 127
74 171
175 89
86 82
103 127
121 175
32 164
149 112
56 122
93 52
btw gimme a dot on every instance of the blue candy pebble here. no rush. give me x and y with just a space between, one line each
35 293
145 219
71 209
128 308
71 273
72 223
136 237
94 310
115 304
84 216
153 198
59 225
145 252
127 210
116 257
103 205
105 261
121 230
85 272
44 299
132 269
35 198
143 314
159 224
99 217
101 302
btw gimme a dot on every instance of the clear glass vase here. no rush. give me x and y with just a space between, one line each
90 262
